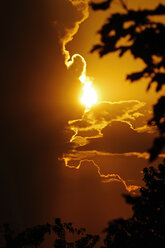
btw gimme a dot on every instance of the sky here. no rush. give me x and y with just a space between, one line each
59 158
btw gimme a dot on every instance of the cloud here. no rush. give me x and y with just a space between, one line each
82 7
109 130
103 114
120 137
90 127
90 154
106 178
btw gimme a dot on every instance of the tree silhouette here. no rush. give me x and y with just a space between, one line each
146 226
35 236
29 237
144 37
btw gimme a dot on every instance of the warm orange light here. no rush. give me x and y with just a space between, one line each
89 96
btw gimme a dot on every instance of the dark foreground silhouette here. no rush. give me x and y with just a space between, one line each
34 237
146 226
144 229
141 32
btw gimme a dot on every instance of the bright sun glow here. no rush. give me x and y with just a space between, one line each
89 96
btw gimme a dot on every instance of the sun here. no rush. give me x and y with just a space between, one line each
89 96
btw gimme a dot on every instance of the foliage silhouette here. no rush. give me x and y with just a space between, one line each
144 37
104 5
29 237
34 237
146 226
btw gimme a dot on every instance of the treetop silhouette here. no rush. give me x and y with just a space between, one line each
35 236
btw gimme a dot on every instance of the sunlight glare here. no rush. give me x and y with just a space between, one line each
89 96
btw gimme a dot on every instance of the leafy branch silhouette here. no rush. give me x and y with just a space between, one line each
35 236
136 31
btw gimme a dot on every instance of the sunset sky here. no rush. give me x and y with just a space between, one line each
60 158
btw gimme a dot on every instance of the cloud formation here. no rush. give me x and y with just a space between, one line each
82 7
102 115
119 137
108 130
